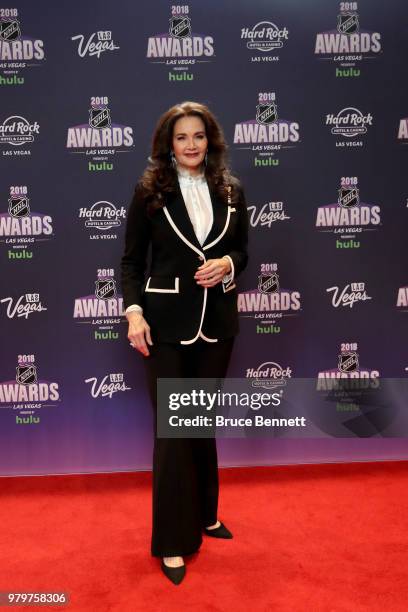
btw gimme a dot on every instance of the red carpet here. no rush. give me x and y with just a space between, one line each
314 538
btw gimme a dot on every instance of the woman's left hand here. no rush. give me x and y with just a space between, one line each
212 272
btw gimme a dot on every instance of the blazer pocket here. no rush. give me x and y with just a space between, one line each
162 284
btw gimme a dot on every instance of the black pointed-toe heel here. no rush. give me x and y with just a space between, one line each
219 532
175 574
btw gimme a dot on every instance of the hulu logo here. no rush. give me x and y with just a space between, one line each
11 80
99 167
348 72
20 254
109 335
347 244
269 161
31 420
184 76
268 329
346 407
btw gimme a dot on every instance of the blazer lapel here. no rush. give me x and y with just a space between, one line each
220 212
179 214
178 211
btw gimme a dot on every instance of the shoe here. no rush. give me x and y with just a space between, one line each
219 532
175 574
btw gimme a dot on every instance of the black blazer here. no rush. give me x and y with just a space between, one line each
174 306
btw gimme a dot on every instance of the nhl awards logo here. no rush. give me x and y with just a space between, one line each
180 27
97 43
348 362
19 206
265 37
9 29
348 197
180 48
105 289
26 374
99 139
103 309
266 113
348 366
16 51
28 392
348 404
267 133
348 216
99 118
347 45
21 227
347 23
268 303
268 283
102 216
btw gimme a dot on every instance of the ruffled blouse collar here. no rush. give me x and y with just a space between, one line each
187 179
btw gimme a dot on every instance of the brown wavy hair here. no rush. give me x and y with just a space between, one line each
160 177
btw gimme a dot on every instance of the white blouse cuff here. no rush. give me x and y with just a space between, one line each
134 308
228 278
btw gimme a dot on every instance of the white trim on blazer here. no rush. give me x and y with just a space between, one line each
179 234
202 256
207 246
153 290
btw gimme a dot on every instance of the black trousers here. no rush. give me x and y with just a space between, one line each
185 471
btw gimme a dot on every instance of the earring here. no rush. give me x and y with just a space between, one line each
173 159
206 158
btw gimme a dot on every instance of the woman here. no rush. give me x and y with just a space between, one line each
183 318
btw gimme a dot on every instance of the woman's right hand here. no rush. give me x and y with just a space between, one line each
139 332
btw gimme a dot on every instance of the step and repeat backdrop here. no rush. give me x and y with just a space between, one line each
313 101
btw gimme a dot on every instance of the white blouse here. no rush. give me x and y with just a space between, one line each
198 202
197 199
